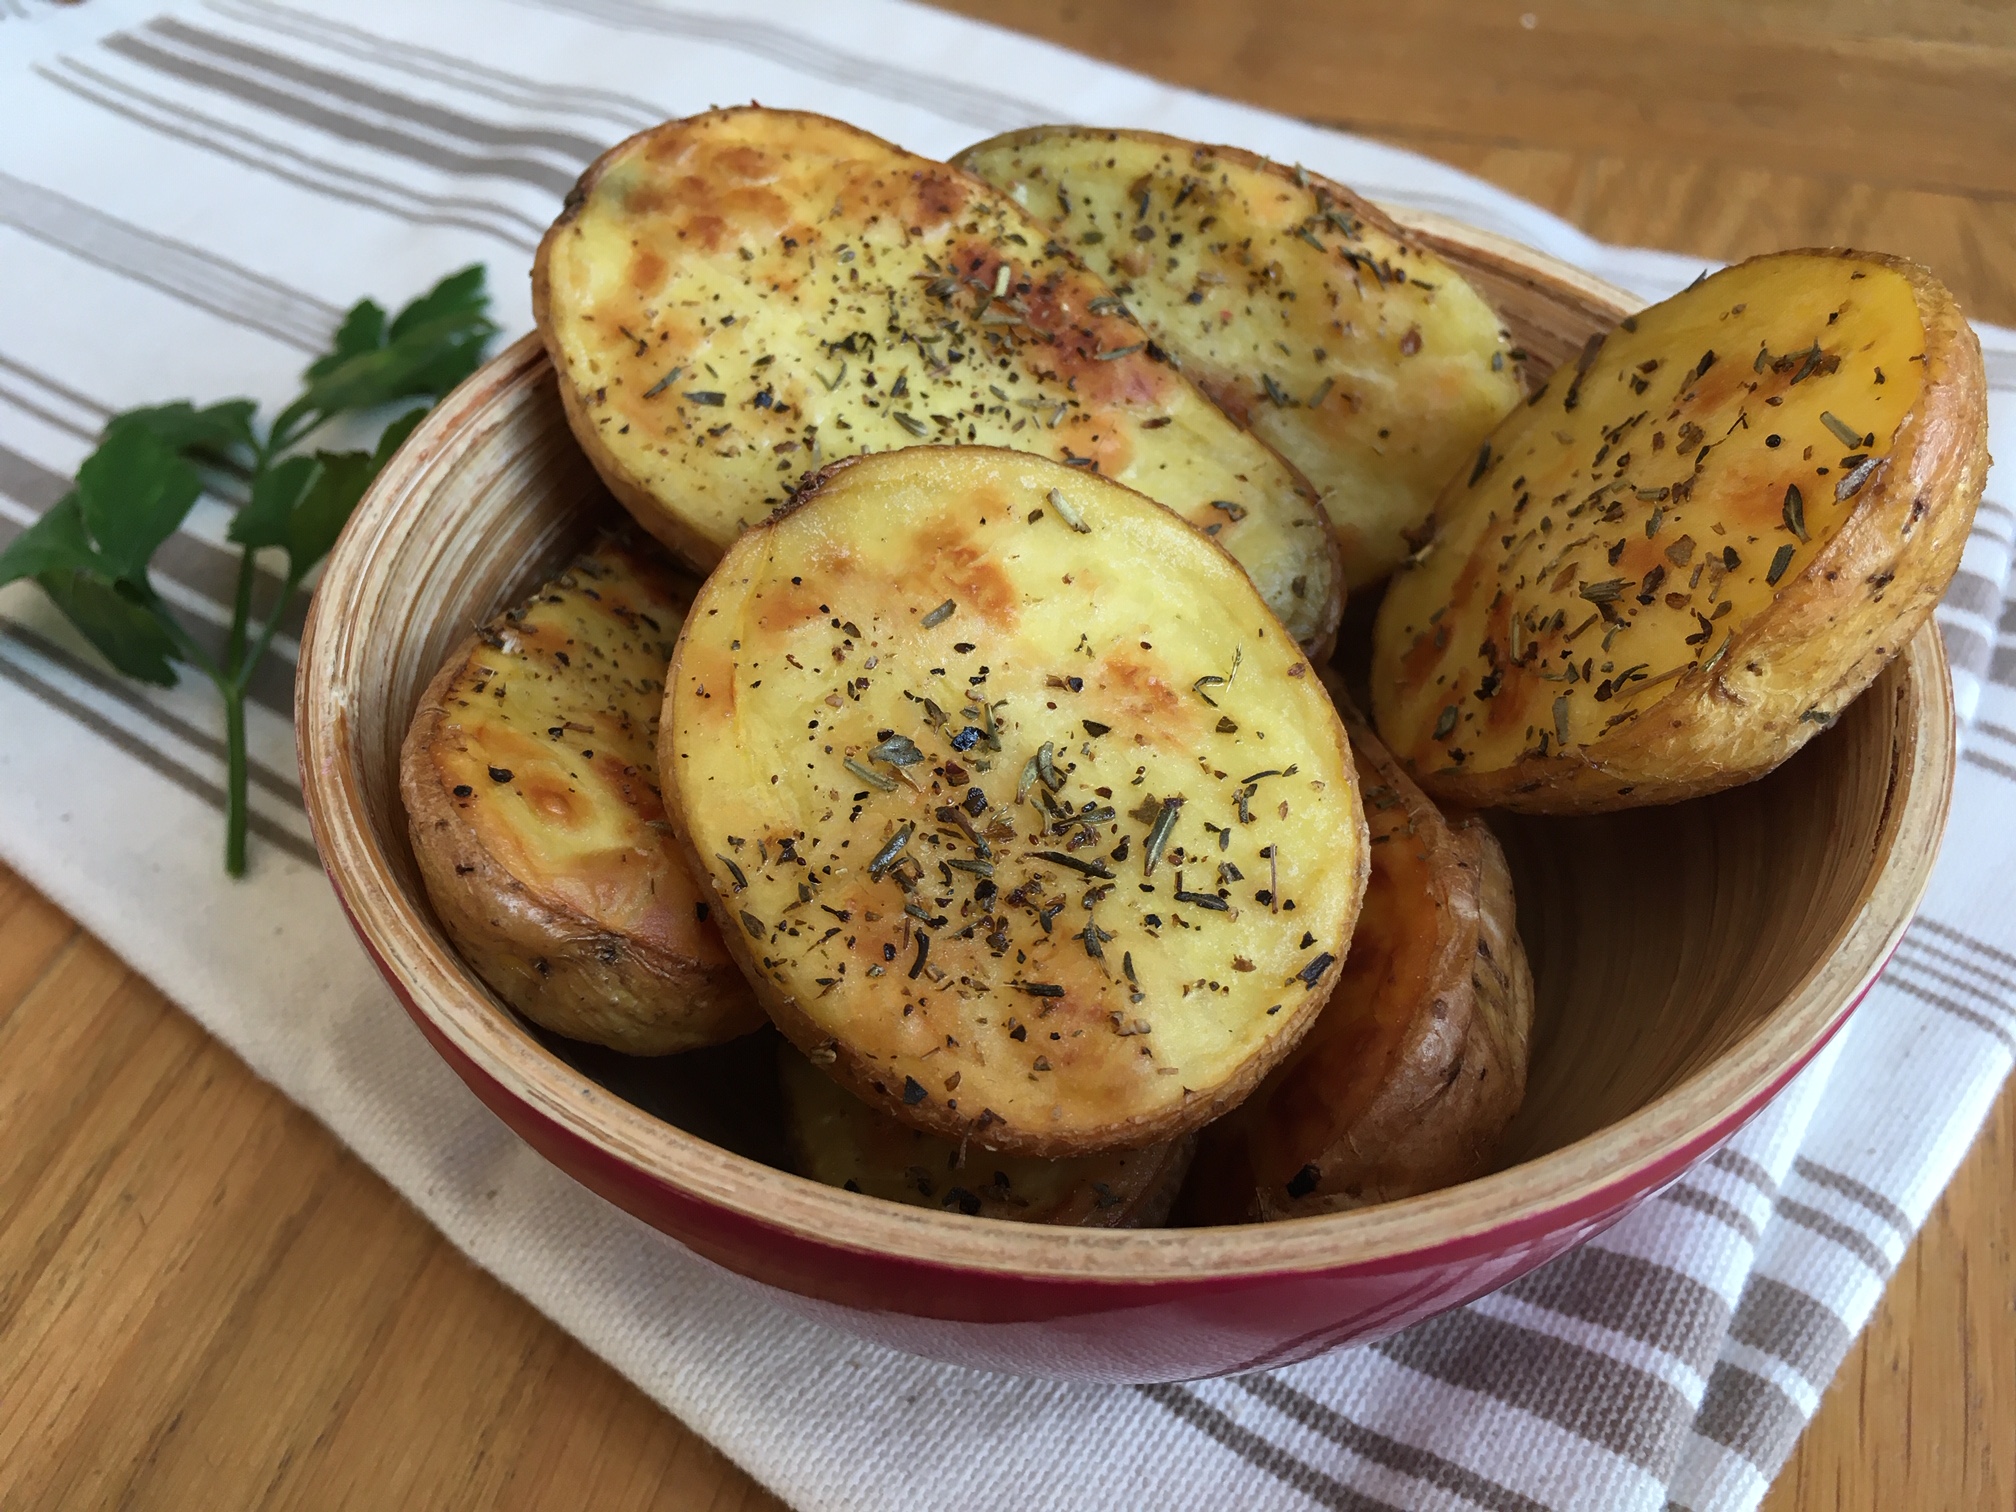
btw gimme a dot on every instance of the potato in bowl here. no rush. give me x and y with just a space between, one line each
1305 312
1028 821
529 776
734 299
1687 553
838 1139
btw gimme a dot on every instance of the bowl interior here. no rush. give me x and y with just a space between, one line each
1728 933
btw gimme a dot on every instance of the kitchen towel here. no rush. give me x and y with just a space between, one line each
190 193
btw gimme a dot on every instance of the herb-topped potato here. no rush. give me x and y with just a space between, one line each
1030 824
530 777
735 298
840 1140
1418 1061
1693 548
1305 312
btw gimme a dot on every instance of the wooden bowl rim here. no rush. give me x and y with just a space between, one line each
1588 1177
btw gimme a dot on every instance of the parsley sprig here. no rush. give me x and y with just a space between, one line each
91 551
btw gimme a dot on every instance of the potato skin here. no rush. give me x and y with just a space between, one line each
575 906
841 1141
1418 1061
709 244
1776 676
1020 1038
1305 312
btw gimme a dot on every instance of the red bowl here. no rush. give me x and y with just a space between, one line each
1687 962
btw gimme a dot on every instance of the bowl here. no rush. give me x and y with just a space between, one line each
1687 962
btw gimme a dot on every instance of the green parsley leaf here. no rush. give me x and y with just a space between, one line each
136 491
320 516
275 493
215 431
431 345
363 330
126 632
57 542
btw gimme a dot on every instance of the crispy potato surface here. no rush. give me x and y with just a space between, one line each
1363 357
840 1140
530 781
1031 824
1693 548
733 298
1418 1061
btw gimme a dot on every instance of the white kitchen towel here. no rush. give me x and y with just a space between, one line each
189 195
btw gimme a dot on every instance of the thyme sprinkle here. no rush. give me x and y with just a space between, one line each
1840 428
1158 836
873 779
663 383
1795 516
741 882
1204 900
1092 868
1069 512
1780 562
886 857
917 970
941 614
897 750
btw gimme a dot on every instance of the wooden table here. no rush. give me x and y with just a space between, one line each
206 1302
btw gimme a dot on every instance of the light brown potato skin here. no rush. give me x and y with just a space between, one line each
562 887
841 1141
1418 1061
712 246
1877 565
808 646
1307 313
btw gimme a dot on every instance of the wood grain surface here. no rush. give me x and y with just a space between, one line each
206 1302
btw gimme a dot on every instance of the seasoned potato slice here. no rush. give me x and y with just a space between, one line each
840 1140
530 775
1359 354
1693 548
1418 1061
732 298
1032 825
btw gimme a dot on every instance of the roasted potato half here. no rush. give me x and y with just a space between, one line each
840 1140
1030 823
734 298
1693 548
1418 1061
1358 353
530 776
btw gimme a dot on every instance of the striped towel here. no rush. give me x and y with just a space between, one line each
189 192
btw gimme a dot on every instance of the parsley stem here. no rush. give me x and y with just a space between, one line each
234 779
241 611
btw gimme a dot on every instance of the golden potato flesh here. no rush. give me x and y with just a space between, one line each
1418 1061
1695 546
530 778
1031 824
838 1139
735 298
1360 355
